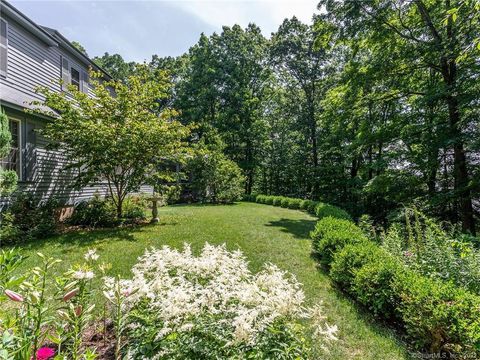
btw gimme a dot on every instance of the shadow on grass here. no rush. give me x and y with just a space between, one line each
299 228
86 237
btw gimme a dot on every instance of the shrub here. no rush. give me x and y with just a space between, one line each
269 200
373 285
425 247
323 210
96 212
350 259
277 200
28 219
250 197
294 203
438 316
260 199
211 307
331 235
215 178
134 208
284 202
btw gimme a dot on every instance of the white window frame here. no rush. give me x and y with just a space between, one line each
6 49
20 147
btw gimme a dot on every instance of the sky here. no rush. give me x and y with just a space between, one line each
137 29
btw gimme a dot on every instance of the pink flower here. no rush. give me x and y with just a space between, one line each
70 294
12 295
45 353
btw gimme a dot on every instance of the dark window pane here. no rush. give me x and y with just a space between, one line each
75 78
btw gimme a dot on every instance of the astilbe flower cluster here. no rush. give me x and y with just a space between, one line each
179 287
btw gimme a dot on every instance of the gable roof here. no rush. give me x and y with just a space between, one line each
49 36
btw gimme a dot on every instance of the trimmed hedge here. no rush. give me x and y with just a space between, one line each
313 207
323 210
436 316
331 235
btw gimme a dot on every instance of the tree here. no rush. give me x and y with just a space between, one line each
120 136
224 87
301 65
214 177
8 178
79 47
425 38
115 66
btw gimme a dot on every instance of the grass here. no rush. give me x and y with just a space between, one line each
264 233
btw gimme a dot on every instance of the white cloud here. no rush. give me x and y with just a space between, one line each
268 14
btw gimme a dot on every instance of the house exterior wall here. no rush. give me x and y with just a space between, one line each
32 62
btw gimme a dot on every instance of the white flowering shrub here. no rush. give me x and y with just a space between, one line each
186 307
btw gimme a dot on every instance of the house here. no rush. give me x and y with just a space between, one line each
30 56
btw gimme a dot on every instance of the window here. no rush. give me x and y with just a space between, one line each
75 78
13 160
3 47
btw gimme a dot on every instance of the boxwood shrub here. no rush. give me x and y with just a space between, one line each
323 210
373 285
331 235
294 203
284 202
277 200
439 316
349 260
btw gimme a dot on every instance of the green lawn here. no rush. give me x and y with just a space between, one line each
264 233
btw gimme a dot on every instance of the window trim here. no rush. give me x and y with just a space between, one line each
6 49
73 67
20 147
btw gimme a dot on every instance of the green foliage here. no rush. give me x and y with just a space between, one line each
122 135
425 247
351 258
373 285
323 210
215 178
96 212
438 316
26 219
277 200
285 202
101 212
331 235
115 66
294 203
8 178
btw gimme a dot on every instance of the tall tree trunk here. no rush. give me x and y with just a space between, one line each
460 169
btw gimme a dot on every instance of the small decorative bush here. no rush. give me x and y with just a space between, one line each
350 259
284 202
373 285
269 199
249 197
294 203
28 219
277 200
260 199
331 235
96 212
438 316
212 307
323 210
134 208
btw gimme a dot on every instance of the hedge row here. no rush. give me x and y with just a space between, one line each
436 316
317 208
